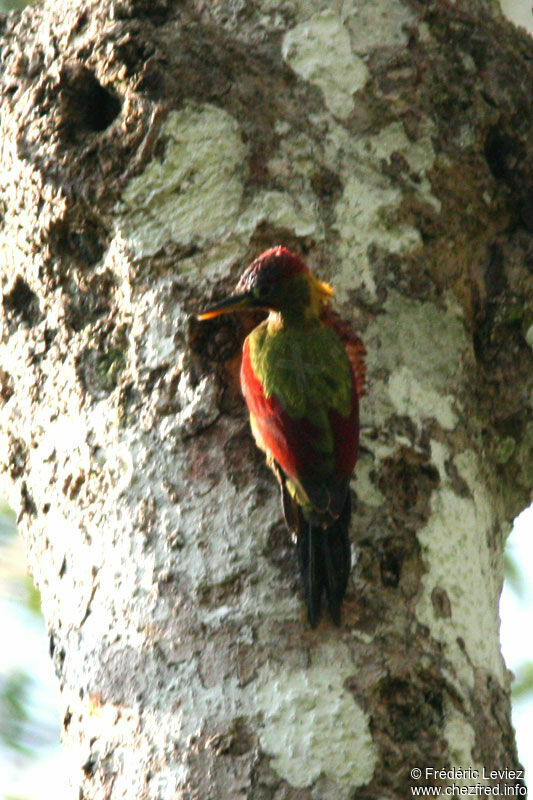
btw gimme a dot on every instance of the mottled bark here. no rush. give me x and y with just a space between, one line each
149 151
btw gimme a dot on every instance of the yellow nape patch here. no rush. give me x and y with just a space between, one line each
321 293
324 290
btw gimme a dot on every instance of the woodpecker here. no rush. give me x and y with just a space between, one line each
302 375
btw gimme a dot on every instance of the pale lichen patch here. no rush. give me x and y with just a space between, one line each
311 723
152 337
529 336
281 210
405 346
407 342
366 209
411 398
215 259
363 200
439 457
461 740
296 156
419 155
192 194
374 24
319 50
458 565
411 334
366 488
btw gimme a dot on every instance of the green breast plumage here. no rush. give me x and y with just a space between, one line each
306 368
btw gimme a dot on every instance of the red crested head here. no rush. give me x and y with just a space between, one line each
279 281
274 266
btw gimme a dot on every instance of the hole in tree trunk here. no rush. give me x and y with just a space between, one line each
86 103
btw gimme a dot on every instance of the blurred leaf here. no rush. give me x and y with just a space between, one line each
13 711
32 599
523 683
15 582
8 526
21 730
14 797
514 575
10 5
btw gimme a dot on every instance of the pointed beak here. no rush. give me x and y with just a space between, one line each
236 302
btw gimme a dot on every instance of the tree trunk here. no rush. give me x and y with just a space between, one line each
150 150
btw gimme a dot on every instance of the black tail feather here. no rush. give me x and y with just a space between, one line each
325 560
324 553
310 556
337 557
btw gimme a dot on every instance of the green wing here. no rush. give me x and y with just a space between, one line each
307 370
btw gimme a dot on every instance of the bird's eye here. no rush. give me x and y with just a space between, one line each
262 292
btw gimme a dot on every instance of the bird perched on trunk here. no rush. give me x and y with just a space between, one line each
302 375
